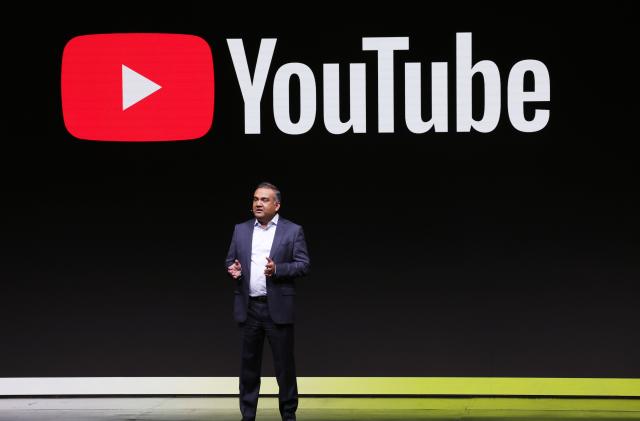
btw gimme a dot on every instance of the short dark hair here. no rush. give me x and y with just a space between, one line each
267 185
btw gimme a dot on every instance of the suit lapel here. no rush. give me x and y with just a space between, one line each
248 242
277 238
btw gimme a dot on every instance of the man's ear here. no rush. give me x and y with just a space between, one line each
277 206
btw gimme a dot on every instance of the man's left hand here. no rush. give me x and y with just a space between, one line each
270 267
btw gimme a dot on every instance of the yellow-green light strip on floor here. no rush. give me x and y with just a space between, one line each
474 386
469 405
334 386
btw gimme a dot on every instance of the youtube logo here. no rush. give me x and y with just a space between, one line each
137 87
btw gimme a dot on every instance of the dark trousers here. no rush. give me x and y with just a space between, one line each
280 337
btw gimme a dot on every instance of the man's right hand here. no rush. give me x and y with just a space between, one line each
235 269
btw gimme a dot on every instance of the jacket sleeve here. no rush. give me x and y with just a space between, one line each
301 264
232 254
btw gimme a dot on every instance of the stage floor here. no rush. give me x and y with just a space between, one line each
311 409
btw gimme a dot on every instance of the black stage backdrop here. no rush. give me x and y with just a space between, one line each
440 254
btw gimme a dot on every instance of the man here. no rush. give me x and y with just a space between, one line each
266 256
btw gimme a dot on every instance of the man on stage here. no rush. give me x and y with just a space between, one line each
266 256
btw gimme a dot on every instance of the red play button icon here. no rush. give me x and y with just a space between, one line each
137 87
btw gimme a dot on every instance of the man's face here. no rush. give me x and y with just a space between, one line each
265 205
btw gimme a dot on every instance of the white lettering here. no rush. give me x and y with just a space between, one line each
413 98
357 99
281 85
517 96
464 100
385 48
252 87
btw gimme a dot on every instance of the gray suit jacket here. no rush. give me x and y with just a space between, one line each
288 251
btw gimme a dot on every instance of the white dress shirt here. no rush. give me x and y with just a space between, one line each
260 249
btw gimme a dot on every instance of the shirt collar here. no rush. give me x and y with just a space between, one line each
274 221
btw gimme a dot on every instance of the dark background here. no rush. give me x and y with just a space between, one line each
442 254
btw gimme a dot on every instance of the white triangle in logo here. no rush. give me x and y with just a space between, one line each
135 87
